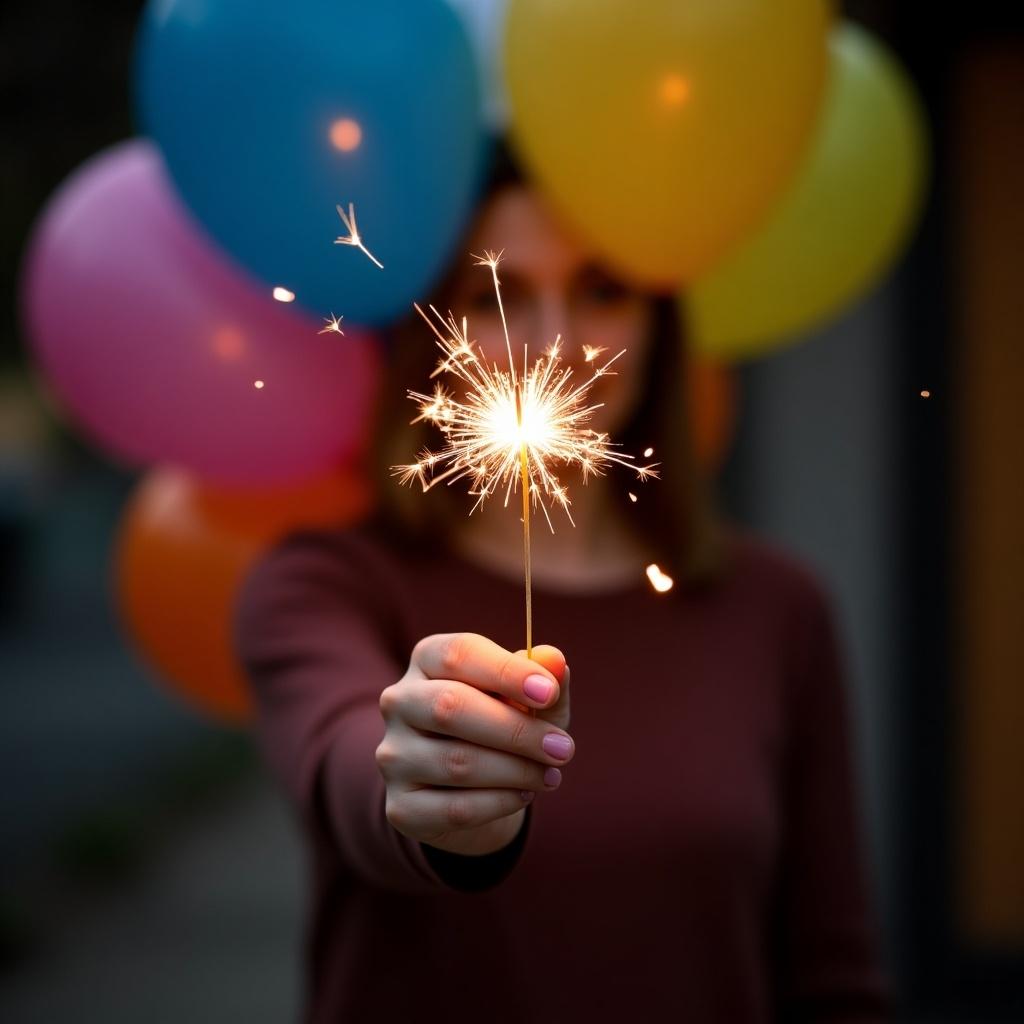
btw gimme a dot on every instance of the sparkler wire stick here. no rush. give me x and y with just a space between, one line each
524 469
490 259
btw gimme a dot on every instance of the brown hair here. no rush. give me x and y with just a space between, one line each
677 514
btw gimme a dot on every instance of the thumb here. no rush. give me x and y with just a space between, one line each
550 657
553 660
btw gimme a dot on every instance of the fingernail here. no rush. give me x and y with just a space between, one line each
538 688
527 795
552 776
557 745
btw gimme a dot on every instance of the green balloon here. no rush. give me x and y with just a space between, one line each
840 226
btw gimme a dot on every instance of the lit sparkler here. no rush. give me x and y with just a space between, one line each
511 429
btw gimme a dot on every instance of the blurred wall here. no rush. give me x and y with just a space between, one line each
815 472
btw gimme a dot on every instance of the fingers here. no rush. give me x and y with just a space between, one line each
554 661
479 662
468 740
423 761
451 708
550 657
427 813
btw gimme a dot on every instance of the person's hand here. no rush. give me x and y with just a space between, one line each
470 738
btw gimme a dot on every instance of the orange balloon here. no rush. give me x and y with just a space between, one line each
182 550
712 396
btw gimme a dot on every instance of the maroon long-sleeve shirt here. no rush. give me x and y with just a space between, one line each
702 859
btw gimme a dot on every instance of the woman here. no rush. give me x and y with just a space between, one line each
694 847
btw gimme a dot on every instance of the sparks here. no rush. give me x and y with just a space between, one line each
591 352
659 580
541 411
332 325
491 259
349 220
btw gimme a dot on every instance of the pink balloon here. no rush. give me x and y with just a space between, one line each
155 341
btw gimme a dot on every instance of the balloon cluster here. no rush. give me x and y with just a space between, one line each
768 166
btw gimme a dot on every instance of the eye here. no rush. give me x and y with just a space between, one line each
515 293
600 289
608 291
482 301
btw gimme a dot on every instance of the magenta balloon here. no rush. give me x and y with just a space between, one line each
155 341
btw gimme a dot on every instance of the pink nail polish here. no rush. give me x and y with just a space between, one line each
538 688
557 745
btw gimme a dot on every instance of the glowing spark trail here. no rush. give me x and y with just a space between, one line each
332 325
661 583
349 220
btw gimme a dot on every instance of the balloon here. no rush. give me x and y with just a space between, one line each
485 24
182 550
842 224
664 130
270 113
163 351
711 394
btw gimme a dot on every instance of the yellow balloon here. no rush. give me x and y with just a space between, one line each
662 130
843 222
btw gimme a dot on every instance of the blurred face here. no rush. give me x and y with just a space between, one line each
551 285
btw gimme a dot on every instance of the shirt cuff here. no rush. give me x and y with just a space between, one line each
475 873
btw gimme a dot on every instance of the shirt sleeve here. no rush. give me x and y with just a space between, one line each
318 643
825 939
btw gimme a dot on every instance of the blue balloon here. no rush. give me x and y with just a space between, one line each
271 113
